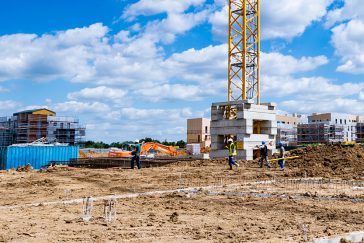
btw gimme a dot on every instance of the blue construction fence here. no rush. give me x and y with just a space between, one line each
37 156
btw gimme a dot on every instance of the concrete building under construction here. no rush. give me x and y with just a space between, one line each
287 128
249 126
329 128
198 132
30 125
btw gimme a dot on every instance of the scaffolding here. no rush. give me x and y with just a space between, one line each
25 128
360 132
287 135
65 130
29 127
6 132
319 133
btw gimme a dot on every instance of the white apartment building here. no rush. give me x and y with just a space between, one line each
346 122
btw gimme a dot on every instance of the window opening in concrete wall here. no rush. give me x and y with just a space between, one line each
223 140
260 127
257 126
256 153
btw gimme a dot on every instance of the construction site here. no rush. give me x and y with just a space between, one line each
319 196
56 191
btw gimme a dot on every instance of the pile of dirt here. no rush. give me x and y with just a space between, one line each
329 161
25 168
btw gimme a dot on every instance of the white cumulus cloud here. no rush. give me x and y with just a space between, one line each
99 93
347 26
279 18
9 104
278 64
343 105
152 7
75 107
348 41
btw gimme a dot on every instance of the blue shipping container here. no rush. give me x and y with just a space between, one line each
37 157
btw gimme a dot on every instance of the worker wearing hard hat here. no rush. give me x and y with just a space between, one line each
282 151
232 152
136 155
264 155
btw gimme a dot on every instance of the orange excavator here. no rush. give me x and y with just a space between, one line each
145 150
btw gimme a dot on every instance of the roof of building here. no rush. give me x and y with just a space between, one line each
43 111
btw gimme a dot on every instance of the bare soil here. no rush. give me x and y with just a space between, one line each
240 208
330 161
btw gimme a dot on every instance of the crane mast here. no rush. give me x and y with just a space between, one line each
243 118
244 50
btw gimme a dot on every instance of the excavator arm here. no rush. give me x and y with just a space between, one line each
164 149
145 149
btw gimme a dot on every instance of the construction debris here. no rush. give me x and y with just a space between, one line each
26 168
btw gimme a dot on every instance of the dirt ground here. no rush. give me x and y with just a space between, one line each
333 160
247 204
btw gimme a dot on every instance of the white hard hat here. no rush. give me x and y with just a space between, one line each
230 140
136 141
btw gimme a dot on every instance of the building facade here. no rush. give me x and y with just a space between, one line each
360 132
346 122
6 131
198 131
319 133
246 123
287 129
30 125
328 128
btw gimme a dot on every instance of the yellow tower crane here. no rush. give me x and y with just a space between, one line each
244 50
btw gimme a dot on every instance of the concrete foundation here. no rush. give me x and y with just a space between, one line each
249 124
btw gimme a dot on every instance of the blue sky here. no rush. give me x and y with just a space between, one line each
130 69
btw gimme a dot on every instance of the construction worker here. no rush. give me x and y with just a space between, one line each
282 151
232 152
264 155
136 155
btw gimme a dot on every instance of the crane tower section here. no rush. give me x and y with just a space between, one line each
244 49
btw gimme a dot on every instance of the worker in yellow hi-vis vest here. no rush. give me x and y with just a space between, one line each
232 152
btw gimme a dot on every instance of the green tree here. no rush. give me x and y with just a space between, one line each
116 145
181 144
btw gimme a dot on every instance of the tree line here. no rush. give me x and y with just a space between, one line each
102 145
